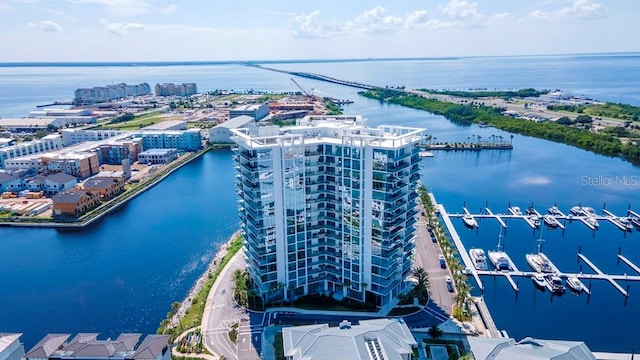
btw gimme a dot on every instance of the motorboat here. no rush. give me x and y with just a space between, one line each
591 220
469 221
554 210
538 281
539 262
575 284
635 221
576 210
478 258
551 221
500 260
625 223
531 211
554 284
515 210
588 211
535 220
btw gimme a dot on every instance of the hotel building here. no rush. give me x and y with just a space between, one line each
328 207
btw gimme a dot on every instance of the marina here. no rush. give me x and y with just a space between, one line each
543 267
556 218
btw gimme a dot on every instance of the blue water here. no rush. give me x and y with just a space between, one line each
123 273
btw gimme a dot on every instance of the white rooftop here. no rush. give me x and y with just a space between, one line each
528 349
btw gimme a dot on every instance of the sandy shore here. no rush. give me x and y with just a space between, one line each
197 287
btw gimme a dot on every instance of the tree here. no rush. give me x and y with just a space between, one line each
565 120
421 288
584 119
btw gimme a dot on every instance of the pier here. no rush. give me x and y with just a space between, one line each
497 217
610 278
615 220
515 272
459 245
467 146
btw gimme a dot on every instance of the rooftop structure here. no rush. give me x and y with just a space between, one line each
379 339
10 346
257 111
221 133
60 112
87 346
328 206
168 125
528 348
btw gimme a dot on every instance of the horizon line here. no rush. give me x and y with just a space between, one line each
284 61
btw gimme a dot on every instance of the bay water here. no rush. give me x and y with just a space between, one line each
123 273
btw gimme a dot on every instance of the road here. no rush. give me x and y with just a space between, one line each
222 314
427 252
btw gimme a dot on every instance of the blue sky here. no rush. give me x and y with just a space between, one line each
165 30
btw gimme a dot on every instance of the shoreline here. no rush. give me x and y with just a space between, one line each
199 284
111 205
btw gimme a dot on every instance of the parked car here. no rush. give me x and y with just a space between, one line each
449 283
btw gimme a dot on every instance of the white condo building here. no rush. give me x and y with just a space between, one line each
328 206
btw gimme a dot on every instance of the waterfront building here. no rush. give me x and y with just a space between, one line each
78 164
189 140
46 144
86 346
107 187
221 133
328 207
109 92
10 346
484 348
75 136
114 152
9 182
371 339
74 202
157 156
256 111
171 89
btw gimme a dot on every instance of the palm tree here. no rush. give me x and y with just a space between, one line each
421 289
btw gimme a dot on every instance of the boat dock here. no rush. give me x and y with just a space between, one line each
468 146
459 245
629 263
497 217
612 218
598 274
604 276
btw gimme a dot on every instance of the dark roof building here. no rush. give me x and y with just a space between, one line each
86 346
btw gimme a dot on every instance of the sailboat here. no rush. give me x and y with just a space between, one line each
539 261
499 258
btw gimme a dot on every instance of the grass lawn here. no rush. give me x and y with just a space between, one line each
140 121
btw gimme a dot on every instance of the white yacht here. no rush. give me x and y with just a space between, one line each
551 221
478 258
554 210
576 210
554 284
538 281
500 260
535 220
575 284
539 262
469 221
515 210
591 220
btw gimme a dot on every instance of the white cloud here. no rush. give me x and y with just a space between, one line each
50 26
460 9
584 9
168 9
201 29
120 7
120 28
534 180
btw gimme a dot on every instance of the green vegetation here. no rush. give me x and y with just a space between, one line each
233 333
484 93
599 143
130 121
462 310
278 346
332 108
610 110
193 317
421 288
